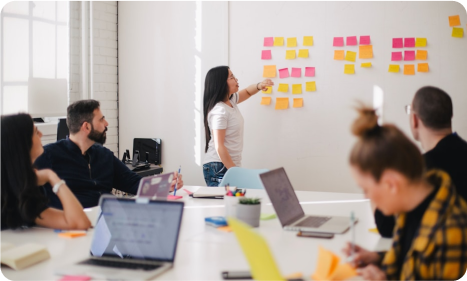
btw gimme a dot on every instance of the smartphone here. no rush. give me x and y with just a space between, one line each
236 275
315 234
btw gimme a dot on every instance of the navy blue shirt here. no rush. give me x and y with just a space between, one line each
88 176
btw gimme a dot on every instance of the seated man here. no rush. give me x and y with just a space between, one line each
88 168
430 123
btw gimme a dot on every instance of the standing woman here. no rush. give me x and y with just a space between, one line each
223 122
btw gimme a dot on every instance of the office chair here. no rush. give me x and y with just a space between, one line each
243 178
62 129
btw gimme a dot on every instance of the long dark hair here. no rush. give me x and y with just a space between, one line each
22 200
215 90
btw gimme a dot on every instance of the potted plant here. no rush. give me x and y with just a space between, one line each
249 210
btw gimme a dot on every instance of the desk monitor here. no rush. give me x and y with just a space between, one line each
152 146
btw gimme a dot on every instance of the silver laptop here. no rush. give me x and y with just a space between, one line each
132 240
290 212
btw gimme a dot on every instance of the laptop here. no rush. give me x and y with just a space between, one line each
132 240
155 187
290 212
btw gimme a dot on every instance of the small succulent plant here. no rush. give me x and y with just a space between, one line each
250 201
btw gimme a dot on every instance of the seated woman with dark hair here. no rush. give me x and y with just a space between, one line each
23 203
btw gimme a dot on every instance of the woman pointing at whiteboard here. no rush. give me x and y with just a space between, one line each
223 122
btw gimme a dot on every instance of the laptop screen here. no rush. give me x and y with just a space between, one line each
130 230
155 186
282 196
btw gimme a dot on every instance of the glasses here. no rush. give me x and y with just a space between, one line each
408 109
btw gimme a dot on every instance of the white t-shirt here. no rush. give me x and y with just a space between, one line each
222 117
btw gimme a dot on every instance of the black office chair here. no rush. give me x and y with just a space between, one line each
62 129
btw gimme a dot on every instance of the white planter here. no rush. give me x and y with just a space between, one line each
231 203
249 214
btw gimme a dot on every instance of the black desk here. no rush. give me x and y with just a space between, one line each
153 170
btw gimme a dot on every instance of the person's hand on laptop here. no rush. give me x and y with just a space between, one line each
362 257
178 179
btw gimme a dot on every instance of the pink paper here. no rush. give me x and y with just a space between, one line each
296 72
409 55
75 278
338 42
268 41
309 71
187 191
284 73
409 42
396 56
174 197
266 55
352 41
397 43
365 40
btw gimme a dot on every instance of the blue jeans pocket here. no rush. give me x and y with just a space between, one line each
213 173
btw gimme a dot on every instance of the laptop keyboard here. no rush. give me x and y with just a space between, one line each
119 264
313 221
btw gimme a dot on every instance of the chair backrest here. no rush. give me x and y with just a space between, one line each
243 178
62 129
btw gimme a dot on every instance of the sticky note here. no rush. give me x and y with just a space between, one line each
366 64
284 88
409 69
225 228
75 278
278 41
266 54
284 73
173 197
338 42
310 86
327 263
339 54
307 40
309 72
268 90
282 103
365 40
268 41
420 42
290 54
350 56
303 53
71 234
298 102
454 20
343 271
365 52
409 55
269 71
421 55
296 72
394 68
409 42
423 67
292 42
266 100
349 69
457 32
395 56
351 41
397 43
296 89
373 230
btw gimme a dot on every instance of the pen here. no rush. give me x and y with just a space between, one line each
176 180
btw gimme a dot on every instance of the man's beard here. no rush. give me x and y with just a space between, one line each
97 136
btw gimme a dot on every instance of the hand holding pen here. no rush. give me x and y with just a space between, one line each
178 176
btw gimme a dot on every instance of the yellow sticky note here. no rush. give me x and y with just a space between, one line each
268 90
457 32
394 68
290 54
278 41
284 88
373 230
423 67
298 102
292 42
365 51
420 42
339 54
409 69
269 71
327 263
303 53
454 20
349 69
307 40
282 103
350 56
311 86
366 64
421 55
266 100
344 271
296 88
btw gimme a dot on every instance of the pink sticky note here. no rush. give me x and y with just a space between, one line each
409 42
268 41
75 278
284 73
309 71
365 40
187 191
396 56
266 55
352 41
409 55
338 42
296 72
173 197
397 43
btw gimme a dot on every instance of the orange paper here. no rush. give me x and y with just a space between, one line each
269 71
409 69
71 234
423 67
298 102
343 271
225 228
282 103
421 55
266 101
454 21
339 54
365 52
328 267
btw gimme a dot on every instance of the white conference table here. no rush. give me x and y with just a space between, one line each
203 252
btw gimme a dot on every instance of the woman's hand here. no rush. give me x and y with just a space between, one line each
372 272
362 257
265 83
46 176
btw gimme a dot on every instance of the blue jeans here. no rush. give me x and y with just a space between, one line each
213 173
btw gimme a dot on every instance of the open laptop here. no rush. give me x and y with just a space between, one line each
132 240
155 187
290 212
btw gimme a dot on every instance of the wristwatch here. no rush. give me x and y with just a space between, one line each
57 186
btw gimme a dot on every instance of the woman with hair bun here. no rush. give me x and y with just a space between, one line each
430 237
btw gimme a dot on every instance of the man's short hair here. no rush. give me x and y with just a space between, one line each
80 112
434 107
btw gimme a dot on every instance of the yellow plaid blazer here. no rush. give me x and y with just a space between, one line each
439 248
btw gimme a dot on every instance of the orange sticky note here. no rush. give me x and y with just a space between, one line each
343 271
225 228
310 86
298 102
71 234
409 69
350 56
365 51
269 71
423 67
278 41
296 88
282 103
327 263
454 20
394 68
266 100
421 55
349 69
339 54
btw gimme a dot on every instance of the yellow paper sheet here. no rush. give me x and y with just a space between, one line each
282 103
421 55
373 230
268 90
266 100
454 20
350 56
269 71
420 42
327 263
339 54
307 40
365 52
296 88
423 67
290 54
409 69
457 32
366 64
303 53
349 69
311 86
278 41
343 271
292 42
393 68
284 88
298 102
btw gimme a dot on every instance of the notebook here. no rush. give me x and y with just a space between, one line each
209 192
23 256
